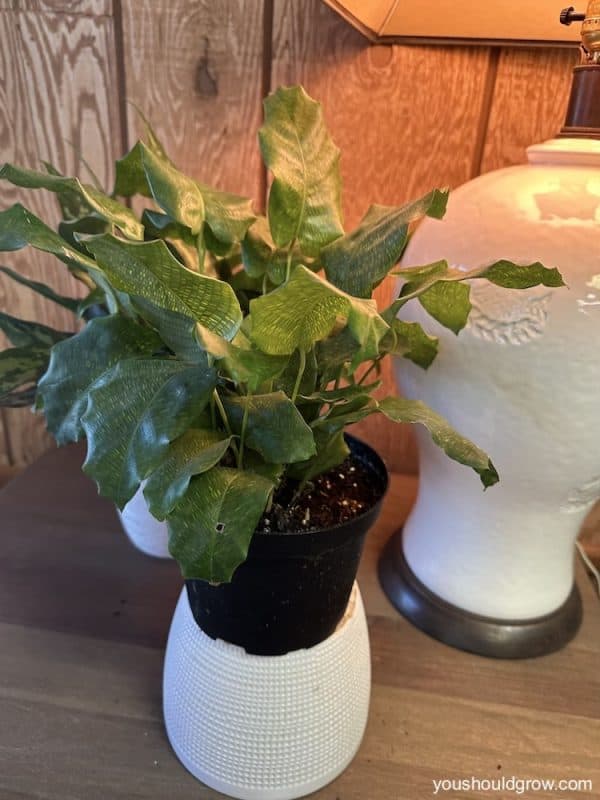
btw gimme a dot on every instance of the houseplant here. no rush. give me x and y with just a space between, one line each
236 351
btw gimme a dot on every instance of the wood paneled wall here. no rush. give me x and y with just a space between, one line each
406 118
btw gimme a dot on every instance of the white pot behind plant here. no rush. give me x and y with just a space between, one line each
522 381
144 531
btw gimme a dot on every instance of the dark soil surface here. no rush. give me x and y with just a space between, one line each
341 494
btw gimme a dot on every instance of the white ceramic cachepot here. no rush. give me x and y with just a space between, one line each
266 727
144 531
267 677
522 380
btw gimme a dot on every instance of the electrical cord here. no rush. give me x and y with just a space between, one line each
589 565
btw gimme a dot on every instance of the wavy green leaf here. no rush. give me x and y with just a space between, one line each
180 238
516 276
130 178
417 280
457 447
144 171
72 204
444 293
305 196
258 249
193 453
449 303
135 409
77 362
22 333
211 527
227 215
335 353
418 276
306 310
178 196
344 414
332 451
409 340
20 367
19 398
261 256
359 261
440 291
368 328
244 364
74 231
176 330
148 270
274 427
297 315
19 228
448 300
108 208
41 288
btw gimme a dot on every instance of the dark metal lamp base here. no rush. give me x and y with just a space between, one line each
467 631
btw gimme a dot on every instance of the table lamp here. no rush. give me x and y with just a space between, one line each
493 572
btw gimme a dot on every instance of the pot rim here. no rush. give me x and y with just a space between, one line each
385 475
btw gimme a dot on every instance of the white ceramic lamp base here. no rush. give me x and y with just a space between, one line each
144 531
521 380
266 727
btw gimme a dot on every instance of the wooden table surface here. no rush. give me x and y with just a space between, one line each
83 623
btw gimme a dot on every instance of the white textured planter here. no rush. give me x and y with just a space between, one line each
522 381
266 727
144 531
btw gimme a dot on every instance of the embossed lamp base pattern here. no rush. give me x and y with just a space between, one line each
266 727
458 628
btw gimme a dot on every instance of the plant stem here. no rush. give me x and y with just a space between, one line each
240 459
301 369
453 277
288 263
225 419
369 371
201 251
213 418
92 174
338 377
84 278
270 501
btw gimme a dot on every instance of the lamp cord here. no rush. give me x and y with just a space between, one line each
589 565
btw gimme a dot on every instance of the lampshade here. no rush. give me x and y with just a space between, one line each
514 21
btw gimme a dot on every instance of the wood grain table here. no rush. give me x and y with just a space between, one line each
83 624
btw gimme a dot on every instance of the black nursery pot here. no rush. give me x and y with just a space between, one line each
293 589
